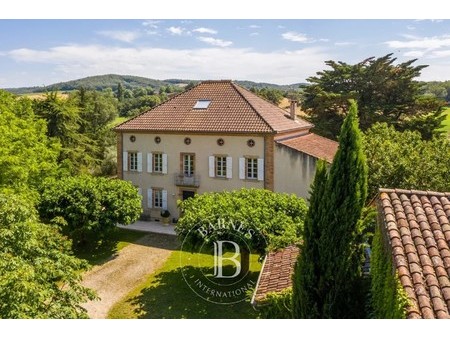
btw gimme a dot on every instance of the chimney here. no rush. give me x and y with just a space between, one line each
293 109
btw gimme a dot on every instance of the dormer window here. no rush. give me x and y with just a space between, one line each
202 104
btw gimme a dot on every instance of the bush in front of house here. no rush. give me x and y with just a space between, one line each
88 208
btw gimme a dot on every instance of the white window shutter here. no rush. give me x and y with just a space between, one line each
164 163
150 198
229 167
125 161
139 162
211 166
242 168
164 199
149 162
260 169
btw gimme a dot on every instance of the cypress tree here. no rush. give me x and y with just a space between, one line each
328 276
340 250
306 300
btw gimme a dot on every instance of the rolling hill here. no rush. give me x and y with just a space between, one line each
100 82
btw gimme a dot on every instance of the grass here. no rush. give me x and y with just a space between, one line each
119 239
165 294
446 122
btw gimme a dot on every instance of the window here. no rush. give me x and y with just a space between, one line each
157 162
188 165
221 166
202 104
251 168
133 161
157 198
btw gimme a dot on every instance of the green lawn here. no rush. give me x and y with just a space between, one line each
165 294
446 122
119 239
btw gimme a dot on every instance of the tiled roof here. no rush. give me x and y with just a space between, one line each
416 224
314 145
276 273
233 109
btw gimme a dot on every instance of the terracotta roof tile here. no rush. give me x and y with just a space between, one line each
312 144
232 109
421 255
276 273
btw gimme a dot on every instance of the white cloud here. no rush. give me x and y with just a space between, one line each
410 28
176 30
215 42
414 42
295 37
151 23
414 53
254 34
124 36
75 61
204 30
254 26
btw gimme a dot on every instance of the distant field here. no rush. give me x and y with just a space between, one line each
41 96
446 122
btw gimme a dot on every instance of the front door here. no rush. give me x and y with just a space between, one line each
187 194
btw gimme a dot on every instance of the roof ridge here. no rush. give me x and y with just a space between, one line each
236 87
413 192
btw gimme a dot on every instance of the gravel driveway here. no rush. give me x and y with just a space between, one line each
114 279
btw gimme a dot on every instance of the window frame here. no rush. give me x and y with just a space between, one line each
157 196
220 164
155 169
253 161
133 164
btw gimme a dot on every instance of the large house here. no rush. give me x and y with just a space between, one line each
216 136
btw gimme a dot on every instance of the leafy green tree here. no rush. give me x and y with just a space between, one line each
64 123
120 92
27 155
403 160
270 94
274 219
307 301
385 92
88 208
328 275
40 278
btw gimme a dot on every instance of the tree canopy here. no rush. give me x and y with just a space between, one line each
276 218
328 272
27 155
88 208
403 160
386 91
39 276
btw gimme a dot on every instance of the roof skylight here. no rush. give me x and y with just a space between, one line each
202 104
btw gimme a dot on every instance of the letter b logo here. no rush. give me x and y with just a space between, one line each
219 259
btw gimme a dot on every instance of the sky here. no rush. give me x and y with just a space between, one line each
282 51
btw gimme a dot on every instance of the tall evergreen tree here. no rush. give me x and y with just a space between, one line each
328 277
306 300
340 252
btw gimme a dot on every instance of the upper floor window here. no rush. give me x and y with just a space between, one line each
251 168
132 161
220 166
157 163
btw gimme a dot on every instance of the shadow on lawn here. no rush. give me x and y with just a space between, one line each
171 297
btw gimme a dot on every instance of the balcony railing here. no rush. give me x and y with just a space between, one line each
187 181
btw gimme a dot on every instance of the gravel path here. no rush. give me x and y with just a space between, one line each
114 279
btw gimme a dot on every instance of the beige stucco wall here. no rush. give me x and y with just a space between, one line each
203 146
293 171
